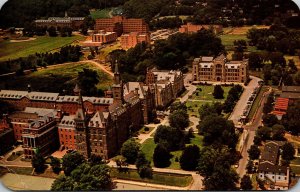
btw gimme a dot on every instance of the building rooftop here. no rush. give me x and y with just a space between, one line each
293 89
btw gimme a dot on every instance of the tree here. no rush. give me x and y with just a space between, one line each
130 150
71 161
297 78
62 183
143 166
254 152
218 130
210 109
179 119
145 171
95 160
291 118
264 133
55 164
255 60
278 132
269 120
172 138
218 92
246 183
52 31
288 152
177 106
161 156
88 79
141 160
38 162
189 158
250 166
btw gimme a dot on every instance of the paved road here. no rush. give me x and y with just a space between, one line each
144 137
242 103
256 122
124 185
26 182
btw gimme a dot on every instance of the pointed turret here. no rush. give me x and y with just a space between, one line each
117 87
76 90
117 78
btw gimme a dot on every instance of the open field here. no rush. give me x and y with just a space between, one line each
55 79
109 48
103 13
193 107
9 50
243 30
158 178
206 93
148 148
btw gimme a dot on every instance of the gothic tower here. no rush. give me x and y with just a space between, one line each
117 87
82 132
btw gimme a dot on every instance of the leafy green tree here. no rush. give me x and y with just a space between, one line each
255 60
179 119
250 166
95 160
141 160
71 161
62 183
146 171
218 130
246 183
161 156
88 79
38 162
297 78
210 109
264 133
218 92
254 152
172 138
130 150
52 31
278 132
291 119
55 164
189 158
177 106
288 152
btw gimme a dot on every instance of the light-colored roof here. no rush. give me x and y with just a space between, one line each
97 120
67 121
207 59
42 96
11 94
232 65
131 86
40 111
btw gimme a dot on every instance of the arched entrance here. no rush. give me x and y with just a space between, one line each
218 78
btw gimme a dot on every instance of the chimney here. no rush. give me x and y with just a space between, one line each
29 88
136 91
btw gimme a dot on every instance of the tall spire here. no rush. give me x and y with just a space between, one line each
116 67
117 79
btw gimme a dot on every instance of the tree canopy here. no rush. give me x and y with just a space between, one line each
71 161
130 150
189 158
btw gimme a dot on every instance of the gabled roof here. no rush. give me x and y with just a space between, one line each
131 86
281 104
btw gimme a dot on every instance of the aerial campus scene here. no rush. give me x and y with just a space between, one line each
149 95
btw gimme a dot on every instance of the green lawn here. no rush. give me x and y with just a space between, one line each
55 79
148 148
206 93
193 107
158 178
295 169
256 102
143 131
228 39
103 13
9 50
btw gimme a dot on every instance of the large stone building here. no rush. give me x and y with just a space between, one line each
191 28
219 69
166 85
121 25
130 40
6 136
60 22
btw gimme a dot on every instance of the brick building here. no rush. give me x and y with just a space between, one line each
104 37
130 40
6 140
121 25
41 134
191 28
66 104
219 69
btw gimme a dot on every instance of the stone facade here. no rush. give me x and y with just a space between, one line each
166 85
104 37
219 69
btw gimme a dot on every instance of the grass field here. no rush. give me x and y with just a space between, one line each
109 48
55 79
206 93
148 148
158 178
256 102
9 50
193 107
103 13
